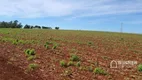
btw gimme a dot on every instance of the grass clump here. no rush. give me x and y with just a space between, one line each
63 63
140 67
74 57
99 71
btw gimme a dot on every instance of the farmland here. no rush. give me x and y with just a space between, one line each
33 54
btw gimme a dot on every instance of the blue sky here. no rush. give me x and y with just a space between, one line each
98 15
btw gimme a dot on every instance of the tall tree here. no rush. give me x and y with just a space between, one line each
57 28
27 26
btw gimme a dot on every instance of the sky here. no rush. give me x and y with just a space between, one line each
97 15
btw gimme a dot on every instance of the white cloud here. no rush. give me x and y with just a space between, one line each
79 8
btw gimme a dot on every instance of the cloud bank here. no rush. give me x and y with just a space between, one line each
71 8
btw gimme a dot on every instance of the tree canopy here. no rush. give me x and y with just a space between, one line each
11 24
16 24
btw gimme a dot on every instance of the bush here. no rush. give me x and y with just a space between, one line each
99 71
63 63
140 67
74 57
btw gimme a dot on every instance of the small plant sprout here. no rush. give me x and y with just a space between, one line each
46 45
140 67
90 68
99 71
15 42
73 50
90 43
54 47
31 58
68 72
33 66
122 39
32 52
70 63
74 57
29 52
63 63
78 64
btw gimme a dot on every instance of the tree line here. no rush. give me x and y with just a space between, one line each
17 24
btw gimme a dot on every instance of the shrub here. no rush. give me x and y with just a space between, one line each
63 63
140 67
99 71
74 57
33 66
